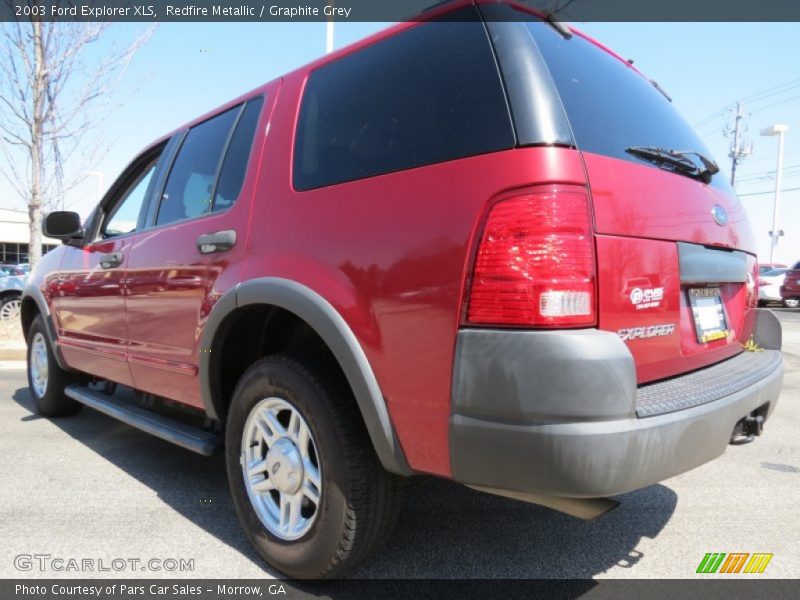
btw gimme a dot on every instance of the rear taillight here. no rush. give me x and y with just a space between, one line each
535 261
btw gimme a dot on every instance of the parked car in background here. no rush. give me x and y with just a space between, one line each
769 286
6 270
11 287
435 260
790 290
766 267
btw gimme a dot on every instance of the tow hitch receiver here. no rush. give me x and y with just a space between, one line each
747 429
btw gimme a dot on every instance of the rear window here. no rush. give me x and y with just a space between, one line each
429 94
610 106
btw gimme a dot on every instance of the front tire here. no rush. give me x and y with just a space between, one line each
791 302
46 379
308 488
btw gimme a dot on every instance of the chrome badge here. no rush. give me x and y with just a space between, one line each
641 333
720 215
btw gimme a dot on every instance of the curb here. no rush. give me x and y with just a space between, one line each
13 365
13 354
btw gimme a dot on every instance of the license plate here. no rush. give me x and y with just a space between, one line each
709 314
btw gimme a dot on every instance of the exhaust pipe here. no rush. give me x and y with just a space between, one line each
587 509
747 429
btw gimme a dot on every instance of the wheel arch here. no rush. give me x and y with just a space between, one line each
34 304
326 322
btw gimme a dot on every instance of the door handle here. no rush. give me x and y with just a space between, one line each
221 241
109 261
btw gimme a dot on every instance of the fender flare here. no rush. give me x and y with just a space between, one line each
35 294
325 320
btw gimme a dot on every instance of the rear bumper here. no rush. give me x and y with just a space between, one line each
555 413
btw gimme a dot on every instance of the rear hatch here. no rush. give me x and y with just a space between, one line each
675 252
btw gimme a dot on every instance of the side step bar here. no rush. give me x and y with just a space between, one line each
194 439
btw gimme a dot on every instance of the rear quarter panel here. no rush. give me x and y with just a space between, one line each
390 254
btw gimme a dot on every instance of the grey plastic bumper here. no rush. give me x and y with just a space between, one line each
554 413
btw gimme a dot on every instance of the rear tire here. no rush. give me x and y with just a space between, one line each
791 302
329 459
46 380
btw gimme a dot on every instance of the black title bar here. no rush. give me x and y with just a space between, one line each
390 10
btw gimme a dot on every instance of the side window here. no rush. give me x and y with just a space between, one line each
429 94
126 212
237 156
190 185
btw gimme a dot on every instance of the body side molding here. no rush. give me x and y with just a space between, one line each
334 331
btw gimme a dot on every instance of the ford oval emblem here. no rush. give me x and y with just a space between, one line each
720 215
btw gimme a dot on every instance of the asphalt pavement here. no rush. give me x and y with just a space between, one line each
88 487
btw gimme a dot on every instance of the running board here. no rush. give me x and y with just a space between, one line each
192 438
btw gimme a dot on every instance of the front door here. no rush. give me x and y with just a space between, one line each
90 303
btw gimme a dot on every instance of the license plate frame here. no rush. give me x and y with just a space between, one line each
708 313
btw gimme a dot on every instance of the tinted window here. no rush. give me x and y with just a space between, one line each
191 180
234 166
610 106
126 213
429 94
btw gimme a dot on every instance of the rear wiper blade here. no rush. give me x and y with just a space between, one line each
679 161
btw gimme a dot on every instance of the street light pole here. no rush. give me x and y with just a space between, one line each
99 175
329 32
778 129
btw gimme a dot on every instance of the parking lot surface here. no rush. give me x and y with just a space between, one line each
88 487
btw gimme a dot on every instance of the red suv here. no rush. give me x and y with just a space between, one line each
481 247
790 290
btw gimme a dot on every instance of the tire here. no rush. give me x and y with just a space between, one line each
762 303
48 391
791 302
358 501
10 306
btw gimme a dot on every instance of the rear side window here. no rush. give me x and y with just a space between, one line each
190 184
610 106
234 166
429 94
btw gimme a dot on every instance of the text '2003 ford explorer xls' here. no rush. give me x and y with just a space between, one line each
476 247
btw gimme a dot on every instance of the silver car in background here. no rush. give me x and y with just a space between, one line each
11 287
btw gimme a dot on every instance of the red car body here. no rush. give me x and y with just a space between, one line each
790 290
393 257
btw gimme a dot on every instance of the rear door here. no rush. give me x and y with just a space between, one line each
192 250
676 256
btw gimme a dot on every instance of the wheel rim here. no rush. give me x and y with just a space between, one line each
792 303
281 468
10 310
38 364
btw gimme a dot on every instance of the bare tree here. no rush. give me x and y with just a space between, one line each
51 97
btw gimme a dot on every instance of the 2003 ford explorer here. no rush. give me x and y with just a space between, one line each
480 246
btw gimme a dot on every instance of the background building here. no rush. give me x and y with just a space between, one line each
14 235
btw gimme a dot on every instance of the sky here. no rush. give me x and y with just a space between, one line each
187 69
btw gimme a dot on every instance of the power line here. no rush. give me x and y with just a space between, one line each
776 103
753 98
769 192
793 83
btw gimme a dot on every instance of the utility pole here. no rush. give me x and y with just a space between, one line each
740 149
